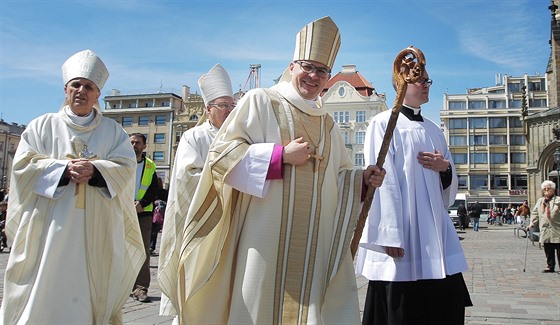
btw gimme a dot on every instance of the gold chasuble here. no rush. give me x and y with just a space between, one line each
282 258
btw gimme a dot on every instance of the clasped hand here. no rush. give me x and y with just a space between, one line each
79 170
433 160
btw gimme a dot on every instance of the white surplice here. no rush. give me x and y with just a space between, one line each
410 209
70 265
281 254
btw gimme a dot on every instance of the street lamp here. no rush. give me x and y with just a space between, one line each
557 160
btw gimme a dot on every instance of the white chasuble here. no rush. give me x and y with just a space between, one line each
187 168
283 258
71 265
410 209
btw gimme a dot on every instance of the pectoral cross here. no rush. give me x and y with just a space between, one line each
81 151
316 162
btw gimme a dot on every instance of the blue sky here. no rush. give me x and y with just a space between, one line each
148 45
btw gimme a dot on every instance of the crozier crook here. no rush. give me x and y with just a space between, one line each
409 67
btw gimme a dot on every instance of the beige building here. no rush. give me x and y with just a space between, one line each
10 134
487 138
151 114
351 100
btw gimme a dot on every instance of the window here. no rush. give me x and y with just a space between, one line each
514 87
536 85
159 138
158 156
341 91
518 157
457 123
360 137
478 182
342 117
477 123
498 182
143 120
148 104
477 140
514 103
498 158
462 180
479 158
360 116
193 117
161 119
498 139
126 121
132 105
497 104
346 137
459 158
117 105
519 182
165 104
359 159
517 139
458 140
178 135
497 122
1 146
477 104
515 122
537 102
457 105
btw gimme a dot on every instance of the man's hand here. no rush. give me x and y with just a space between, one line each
138 206
79 171
434 161
374 176
296 152
394 252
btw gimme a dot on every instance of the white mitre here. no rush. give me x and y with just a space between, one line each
85 64
215 84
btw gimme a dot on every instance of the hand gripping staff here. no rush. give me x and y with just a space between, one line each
409 67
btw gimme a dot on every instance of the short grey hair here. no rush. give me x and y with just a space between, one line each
548 184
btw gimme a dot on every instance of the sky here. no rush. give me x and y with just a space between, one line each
161 45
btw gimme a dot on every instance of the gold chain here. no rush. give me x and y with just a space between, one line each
316 145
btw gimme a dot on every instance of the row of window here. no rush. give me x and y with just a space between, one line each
492 182
144 104
142 120
484 122
458 105
344 117
493 158
483 139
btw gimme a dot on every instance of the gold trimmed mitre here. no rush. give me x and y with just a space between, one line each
318 41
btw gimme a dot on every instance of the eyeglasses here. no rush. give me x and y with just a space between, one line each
223 106
310 68
427 81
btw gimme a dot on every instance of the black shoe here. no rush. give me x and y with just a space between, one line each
141 295
547 270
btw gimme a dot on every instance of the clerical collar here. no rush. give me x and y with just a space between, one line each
413 114
79 120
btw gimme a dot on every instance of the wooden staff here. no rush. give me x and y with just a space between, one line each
409 67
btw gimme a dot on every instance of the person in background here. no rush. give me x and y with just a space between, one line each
474 211
267 234
462 214
158 216
3 214
217 95
76 244
523 212
410 251
546 215
145 194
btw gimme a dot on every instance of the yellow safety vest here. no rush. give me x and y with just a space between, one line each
147 174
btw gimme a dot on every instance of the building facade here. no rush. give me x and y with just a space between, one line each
10 134
486 134
151 114
352 101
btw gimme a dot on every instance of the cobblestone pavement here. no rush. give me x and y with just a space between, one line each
501 291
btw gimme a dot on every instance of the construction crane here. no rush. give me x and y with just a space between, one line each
254 77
